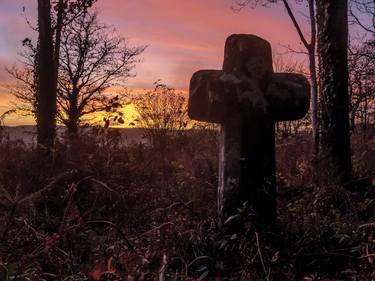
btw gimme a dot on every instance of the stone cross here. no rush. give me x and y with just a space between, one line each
247 98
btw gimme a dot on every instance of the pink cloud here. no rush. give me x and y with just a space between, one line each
183 36
187 35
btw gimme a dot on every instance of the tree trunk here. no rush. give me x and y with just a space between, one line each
59 27
365 110
310 47
72 126
314 101
351 105
352 120
332 18
73 113
313 77
46 91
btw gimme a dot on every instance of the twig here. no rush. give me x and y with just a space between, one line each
329 254
295 23
174 205
102 184
291 50
27 19
156 228
162 268
4 193
130 246
261 256
40 193
10 217
198 259
36 233
72 191
367 225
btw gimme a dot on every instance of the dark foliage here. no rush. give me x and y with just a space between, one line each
107 210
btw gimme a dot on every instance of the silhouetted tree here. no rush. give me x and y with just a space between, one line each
46 65
332 19
25 87
362 63
362 83
93 58
45 88
360 10
163 111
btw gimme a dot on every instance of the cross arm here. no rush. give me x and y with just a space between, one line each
215 95
211 95
288 96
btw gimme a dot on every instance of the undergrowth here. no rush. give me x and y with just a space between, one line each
109 210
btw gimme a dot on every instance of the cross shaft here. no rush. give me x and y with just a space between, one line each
247 98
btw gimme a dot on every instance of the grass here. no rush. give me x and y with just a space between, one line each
135 212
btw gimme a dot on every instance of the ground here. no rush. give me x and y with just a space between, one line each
109 209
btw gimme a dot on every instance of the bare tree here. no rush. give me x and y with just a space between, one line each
45 89
24 89
361 10
163 112
92 59
3 116
362 59
283 63
332 19
362 83
310 46
46 64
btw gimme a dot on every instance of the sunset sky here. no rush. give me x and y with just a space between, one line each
182 36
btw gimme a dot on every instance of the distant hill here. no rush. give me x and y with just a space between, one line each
27 134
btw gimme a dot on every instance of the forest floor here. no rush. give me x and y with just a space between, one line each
110 211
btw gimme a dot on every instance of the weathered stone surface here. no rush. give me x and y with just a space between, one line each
249 56
230 165
211 96
214 95
247 98
288 96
